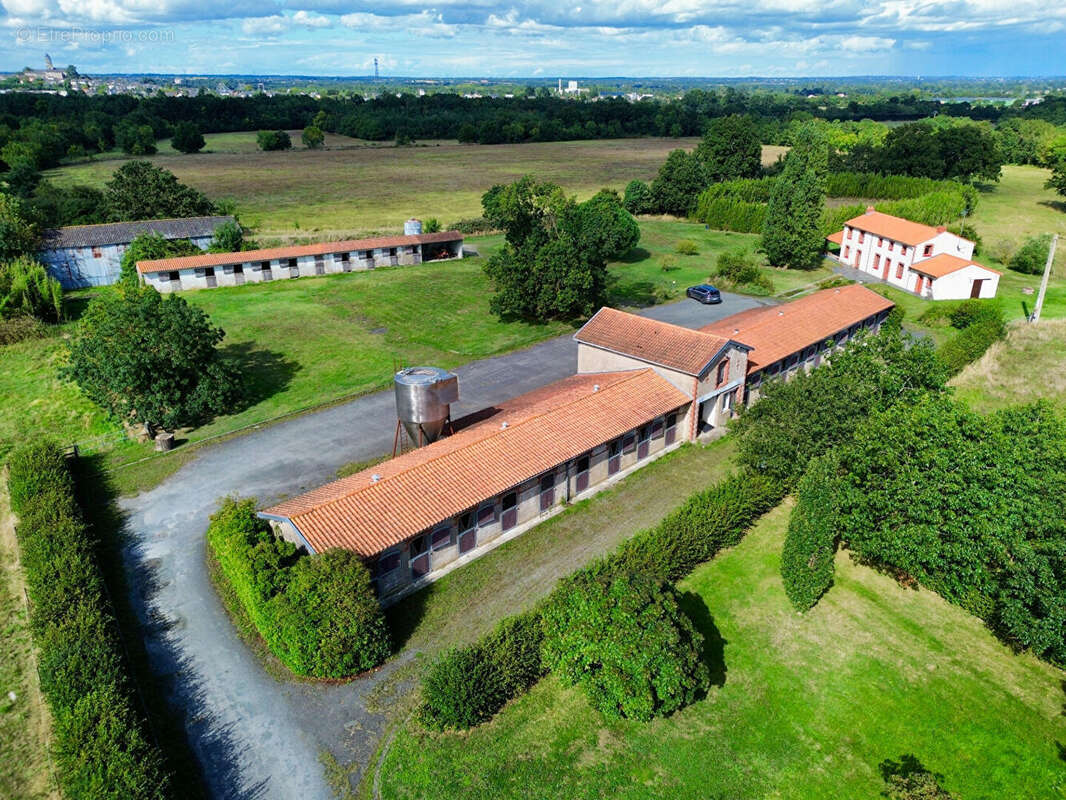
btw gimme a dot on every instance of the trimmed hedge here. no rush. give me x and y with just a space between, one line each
466 686
810 544
318 614
100 741
730 214
981 325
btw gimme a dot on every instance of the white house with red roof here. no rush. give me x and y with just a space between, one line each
930 261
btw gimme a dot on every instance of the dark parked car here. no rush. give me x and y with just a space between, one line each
705 293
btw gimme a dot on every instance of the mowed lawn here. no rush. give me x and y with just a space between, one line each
807 706
353 190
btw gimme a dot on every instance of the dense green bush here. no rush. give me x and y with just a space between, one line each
318 614
748 190
467 685
273 140
980 323
27 290
687 247
969 506
472 225
884 187
793 421
739 268
807 556
730 214
1031 257
693 533
625 641
637 198
101 750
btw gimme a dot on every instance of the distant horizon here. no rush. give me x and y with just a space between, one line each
552 78
538 38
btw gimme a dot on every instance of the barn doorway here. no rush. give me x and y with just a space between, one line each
975 289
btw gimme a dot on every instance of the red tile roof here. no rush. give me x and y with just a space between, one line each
319 248
421 488
775 332
890 227
944 264
836 238
661 343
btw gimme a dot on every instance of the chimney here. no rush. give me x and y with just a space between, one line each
941 228
869 209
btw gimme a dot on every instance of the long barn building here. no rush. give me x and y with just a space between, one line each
642 388
298 261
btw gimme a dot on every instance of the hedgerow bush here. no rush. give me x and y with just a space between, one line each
810 544
624 640
508 661
318 614
883 187
1031 257
467 685
739 268
696 531
730 214
101 749
793 421
967 505
981 324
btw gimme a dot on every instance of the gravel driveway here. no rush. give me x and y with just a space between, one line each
257 736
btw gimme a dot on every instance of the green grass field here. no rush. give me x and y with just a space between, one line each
807 707
337 192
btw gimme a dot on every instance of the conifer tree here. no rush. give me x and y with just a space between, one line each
792 235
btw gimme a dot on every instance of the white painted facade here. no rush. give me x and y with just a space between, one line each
895 263
286 268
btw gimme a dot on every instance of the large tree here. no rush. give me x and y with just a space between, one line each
149 246
792 235
18 233
187 138
139 190
680 180
731 148
554 262
146 358
970 152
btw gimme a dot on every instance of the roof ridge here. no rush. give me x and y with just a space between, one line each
489 432
138 221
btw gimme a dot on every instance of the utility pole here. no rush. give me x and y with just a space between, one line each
1044 280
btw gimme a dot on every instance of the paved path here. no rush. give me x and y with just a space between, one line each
259 737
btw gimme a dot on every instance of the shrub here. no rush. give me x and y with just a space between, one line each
467 685
227 238
1031 257
273 140
432 225
187 138
100 747
102 753
638 198
981 324
739 268
318 614
20 328
1001 250
26 289
472 225
687 247
508 661
907 779
807 556
668 264
626 642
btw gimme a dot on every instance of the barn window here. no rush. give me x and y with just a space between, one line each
629 443
583 473
547 491
97 253
899 270
387 563
671 428
614 457
927 250
509 507
442 537
174 276
486 515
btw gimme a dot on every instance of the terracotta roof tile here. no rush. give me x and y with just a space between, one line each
944 264
836 238
895 228
778 331
319 248
661 343
423 487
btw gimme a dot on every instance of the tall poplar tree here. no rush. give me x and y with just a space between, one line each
792 235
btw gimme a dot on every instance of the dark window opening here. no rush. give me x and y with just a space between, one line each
583 473
509 505
547 491
629 443
671 428
644 445
486 515
442 537
614 457
387 564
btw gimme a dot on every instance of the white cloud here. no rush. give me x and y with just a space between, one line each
865 44
308 20
265 26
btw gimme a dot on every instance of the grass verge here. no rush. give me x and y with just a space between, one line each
807 706
26 770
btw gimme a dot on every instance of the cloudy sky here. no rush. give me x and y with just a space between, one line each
579 38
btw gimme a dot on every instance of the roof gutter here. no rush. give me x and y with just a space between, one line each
295 527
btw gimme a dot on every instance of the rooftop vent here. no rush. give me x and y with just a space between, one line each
595 387
375 478
503 425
